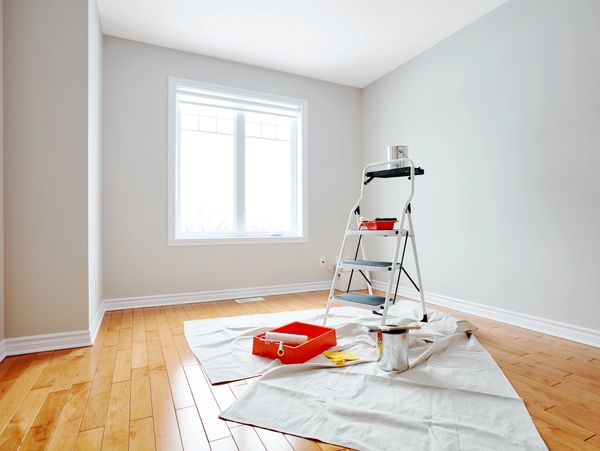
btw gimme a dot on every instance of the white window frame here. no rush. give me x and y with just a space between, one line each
301 171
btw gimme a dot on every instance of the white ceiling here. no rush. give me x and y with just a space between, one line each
352 42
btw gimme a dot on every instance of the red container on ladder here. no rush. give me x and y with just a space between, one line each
379 224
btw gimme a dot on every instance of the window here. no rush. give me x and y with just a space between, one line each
237 165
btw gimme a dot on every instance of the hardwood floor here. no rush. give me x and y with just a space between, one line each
140 387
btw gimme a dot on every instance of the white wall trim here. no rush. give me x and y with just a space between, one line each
551 327
47 342
76 339
95 326
63 340
213 295
2 350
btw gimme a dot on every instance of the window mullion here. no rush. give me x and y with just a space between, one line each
240 175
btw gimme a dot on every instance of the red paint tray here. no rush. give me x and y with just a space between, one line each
319 339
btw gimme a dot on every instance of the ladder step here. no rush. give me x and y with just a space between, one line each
360 300
366 232
367 265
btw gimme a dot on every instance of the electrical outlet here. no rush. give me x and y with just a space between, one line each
322 262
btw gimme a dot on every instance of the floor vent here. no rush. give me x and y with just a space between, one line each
244 300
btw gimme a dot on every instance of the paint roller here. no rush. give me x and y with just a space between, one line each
290 339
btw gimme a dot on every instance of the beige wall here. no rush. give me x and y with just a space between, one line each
46 166
504 118
137 259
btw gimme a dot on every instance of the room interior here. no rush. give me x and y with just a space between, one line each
182 178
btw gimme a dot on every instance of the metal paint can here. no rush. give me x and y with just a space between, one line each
396 152
393 350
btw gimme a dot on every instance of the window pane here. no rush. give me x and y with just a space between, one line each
208 123
225 126
206 179
268 179
189 121
283 133
252 128
268 131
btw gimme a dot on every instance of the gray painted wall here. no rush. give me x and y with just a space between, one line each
137 259
1 176
504 117
46 166
95 39
494 113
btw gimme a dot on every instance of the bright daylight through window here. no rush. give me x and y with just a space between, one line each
236 165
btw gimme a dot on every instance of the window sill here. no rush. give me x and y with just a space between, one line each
236 240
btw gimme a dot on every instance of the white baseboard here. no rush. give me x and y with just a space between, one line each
2 350
63 340
76 339
547 326
213 295
47 342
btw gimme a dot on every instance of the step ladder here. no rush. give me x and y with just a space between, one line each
379 304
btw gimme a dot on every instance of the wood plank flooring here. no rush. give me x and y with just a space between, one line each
140 387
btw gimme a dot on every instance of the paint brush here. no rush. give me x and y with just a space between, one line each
392 328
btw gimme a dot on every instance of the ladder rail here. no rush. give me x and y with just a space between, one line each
417 266
363 252
392 276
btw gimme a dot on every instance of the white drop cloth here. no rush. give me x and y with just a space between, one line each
454 397
224 345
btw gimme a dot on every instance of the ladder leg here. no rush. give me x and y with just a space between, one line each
326 312
331 293
338 268
367 273
387 302
417 267
355 257
392 276
363 253
401 268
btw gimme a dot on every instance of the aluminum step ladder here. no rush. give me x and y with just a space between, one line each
379 304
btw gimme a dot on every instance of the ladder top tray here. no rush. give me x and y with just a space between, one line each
390 173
